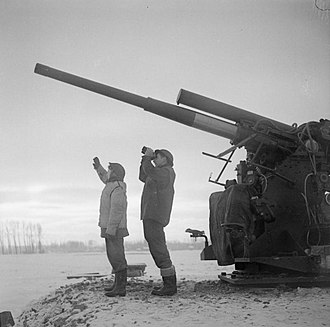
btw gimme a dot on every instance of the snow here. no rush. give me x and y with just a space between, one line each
197 303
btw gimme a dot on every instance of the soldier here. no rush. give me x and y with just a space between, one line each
113 222
156 206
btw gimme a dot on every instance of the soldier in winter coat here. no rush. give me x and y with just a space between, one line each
156 206
113 222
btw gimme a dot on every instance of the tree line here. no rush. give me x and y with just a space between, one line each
93 246
20 237
26 237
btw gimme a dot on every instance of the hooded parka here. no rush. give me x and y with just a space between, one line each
113 206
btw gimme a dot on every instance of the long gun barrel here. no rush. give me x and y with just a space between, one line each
164 109
224 110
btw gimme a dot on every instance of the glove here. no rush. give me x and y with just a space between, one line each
96 163
149 152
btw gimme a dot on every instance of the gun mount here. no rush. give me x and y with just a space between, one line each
273 220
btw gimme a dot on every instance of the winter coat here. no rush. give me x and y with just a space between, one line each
158 191
113 206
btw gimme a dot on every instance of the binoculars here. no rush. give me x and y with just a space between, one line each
144 150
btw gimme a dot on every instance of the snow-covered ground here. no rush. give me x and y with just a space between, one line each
24 278
205 303
49 299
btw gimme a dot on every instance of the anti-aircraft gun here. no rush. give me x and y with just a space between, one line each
273 221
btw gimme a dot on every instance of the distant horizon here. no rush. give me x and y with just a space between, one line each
94 246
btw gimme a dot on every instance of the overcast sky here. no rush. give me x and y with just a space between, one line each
269 57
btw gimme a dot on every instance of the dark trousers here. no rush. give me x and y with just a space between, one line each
116 253
155 236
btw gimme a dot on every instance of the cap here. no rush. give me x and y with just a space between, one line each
118 169
166 154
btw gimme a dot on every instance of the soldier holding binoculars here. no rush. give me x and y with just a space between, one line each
156 206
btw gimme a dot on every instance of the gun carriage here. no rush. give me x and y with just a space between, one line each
273 221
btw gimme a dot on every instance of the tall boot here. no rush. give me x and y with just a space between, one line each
120 286
110 288
169 287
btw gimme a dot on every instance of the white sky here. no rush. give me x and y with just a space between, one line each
269 57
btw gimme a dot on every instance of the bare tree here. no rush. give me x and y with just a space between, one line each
12 227
39 234
8 239
24 233
18 226
30 237
12 233
2 239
